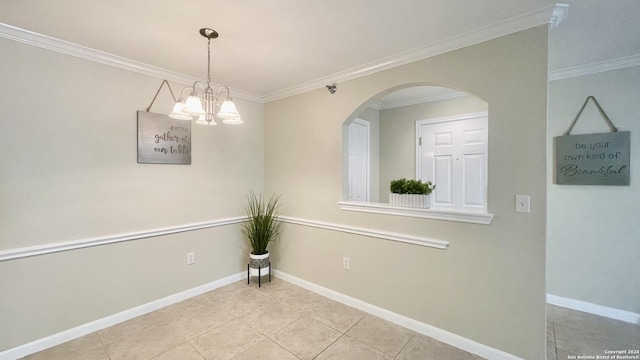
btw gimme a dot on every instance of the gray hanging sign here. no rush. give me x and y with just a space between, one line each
593 159
163 140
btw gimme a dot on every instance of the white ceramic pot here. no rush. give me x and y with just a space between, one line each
410 200
259 262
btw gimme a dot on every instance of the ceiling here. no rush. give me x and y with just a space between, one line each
266 47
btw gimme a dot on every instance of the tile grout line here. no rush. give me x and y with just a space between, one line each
555 340
104 348
344 333
405 345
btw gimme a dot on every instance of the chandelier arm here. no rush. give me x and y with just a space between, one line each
222 89
158 92
201 87
182 91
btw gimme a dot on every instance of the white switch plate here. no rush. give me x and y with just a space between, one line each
345 263
523 203
191 258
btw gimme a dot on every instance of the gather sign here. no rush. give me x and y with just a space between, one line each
593 159
163 140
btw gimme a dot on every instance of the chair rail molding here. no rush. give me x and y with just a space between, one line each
405 238
36 250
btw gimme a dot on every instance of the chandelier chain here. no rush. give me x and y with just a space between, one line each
208 61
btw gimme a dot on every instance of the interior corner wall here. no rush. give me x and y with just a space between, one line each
491 276
593 247
69 174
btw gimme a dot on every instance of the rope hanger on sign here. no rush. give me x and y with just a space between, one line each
604 116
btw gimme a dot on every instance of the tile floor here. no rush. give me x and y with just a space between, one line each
279 321
571 333
284 322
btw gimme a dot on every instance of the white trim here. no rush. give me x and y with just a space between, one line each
65 47
595 68
541 16
416 240
367 125
506 27
23 252
558 15
595 309
417 326
91 327
451 94
467 116
518 23
386 209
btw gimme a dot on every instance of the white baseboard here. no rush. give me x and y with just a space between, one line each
417 326
595 309
88 328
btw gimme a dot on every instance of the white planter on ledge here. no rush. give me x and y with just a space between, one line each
410 200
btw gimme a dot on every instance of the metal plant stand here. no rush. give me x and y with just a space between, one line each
259 274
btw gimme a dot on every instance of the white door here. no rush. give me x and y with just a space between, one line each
453 154
359 160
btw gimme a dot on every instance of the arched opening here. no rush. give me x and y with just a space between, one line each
422 132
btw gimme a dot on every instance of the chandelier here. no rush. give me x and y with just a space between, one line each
202 101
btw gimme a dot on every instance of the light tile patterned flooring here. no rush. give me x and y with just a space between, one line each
572 333
284 322
278 321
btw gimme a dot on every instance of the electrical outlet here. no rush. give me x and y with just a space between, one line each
191 258
523 203
345 263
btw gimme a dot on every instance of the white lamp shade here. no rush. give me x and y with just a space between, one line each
177 112
193 105
228 110
203 121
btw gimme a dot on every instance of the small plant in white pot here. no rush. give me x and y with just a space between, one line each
410 193
261 227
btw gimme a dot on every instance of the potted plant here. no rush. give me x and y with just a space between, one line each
410 193
260 228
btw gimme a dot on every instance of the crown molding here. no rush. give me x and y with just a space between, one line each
594 68
558 15
551 15
68 48
428 99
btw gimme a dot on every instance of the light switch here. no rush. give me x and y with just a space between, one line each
523 203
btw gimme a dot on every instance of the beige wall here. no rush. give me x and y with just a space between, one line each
593 242
489 286
69 173
398 135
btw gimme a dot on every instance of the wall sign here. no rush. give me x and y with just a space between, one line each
163 140
593 159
